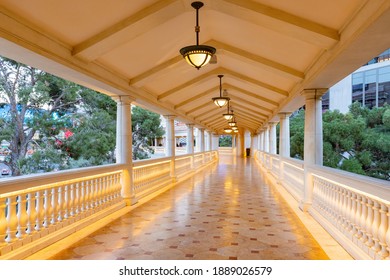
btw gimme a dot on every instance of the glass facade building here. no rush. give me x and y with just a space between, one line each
369 85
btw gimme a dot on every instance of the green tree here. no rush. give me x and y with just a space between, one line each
145 126
225 141
358 141
297 122
27 91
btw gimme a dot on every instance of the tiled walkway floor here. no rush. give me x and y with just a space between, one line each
224 212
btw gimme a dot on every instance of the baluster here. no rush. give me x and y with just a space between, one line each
340 207
3 221
60 203
76 199
99 185
345 209
45 209
111 187
358 215
363 220
54 206
382 230
353 213
92 194
39 209
334 203
48 207
87 196
21 216
31 212
369 221
66 194
71 199
327 199
12 220
82 193
375 227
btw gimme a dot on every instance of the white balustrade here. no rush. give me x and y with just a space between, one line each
356 206
183 165
362 217
32 207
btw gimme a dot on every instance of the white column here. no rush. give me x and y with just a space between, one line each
124 153
215 144
272 138
284 142
210 141
190 138
262 140
252 152
284 134
171 143
312 140
266 139
201 138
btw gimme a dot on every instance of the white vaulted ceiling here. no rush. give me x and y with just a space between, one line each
267 50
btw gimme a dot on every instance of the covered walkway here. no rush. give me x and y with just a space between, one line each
224 212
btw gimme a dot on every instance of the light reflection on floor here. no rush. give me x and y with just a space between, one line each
224 212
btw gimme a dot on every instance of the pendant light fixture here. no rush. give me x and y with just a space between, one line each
197 55
228 130
232 122
220 101
228 116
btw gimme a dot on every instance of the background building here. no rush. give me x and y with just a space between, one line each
369 85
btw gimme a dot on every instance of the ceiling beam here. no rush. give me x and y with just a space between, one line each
241 117
251 113
204 105
128 29
244 101
204 77
271 65
282 22
162 66
255 82
221 70
251 94
203 94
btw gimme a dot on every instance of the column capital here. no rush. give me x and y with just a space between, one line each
170 117
190 125
314 93
201 129
125 99
284 114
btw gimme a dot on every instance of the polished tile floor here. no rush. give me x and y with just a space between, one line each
224 212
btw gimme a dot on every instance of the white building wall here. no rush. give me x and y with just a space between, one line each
340 95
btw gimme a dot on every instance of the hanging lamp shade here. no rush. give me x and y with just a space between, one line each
197 55
232 123
220 101
229 115
228 130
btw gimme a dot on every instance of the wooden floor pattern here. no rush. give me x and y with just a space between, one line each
224 212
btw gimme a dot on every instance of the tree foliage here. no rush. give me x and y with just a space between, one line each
358 141
39 109
225 141
145 127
